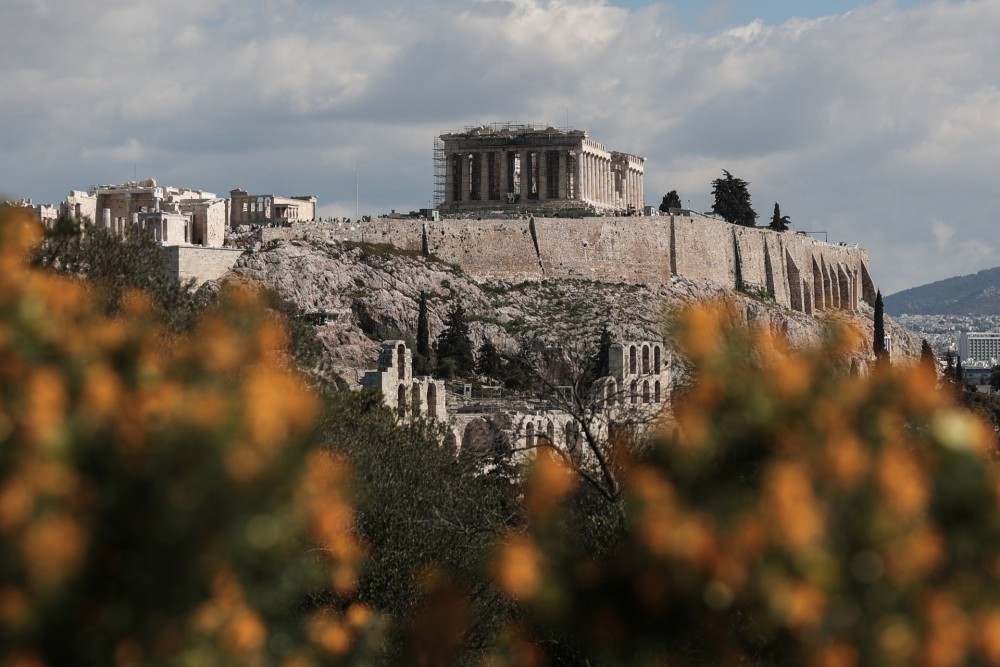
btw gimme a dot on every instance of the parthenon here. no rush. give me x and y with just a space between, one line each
524 168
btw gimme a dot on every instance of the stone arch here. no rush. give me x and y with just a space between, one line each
635 392
481 438
845 289
645 359
632 360
401 361
832 289
610 391
415 399
645 391
550 432
794 283
820 302
432 399
657 398
656 359
401 401
867 286
529 435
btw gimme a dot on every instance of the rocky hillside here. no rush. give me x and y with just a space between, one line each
377 288
973 295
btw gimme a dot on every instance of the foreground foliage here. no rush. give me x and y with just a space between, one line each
796 515
159 502
182 499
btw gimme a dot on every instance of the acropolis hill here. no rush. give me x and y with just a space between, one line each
798 272
523 203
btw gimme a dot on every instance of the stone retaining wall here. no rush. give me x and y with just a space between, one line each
798 271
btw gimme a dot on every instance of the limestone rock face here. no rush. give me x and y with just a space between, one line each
375 291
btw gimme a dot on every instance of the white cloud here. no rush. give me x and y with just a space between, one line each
862 125
943 232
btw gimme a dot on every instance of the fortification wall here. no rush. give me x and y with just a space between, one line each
798 271
198 262
487 249
631 250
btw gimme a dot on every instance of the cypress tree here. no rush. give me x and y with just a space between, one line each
423 356
454 349
927 359
600 366
779 223
878 342
490 363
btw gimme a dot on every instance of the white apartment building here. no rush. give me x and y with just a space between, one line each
979 346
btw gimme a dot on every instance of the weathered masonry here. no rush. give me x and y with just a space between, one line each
798 272
520 167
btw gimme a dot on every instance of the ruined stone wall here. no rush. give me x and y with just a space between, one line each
798 271
197 262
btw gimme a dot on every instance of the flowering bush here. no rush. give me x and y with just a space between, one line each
794 514
159 501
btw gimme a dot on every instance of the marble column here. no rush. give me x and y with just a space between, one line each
466 176
484 175
563 174
543 175
502 181
525 183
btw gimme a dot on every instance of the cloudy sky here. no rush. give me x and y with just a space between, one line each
877 122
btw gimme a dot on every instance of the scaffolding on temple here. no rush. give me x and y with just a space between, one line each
440 169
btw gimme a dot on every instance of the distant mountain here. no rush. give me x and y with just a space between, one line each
976 294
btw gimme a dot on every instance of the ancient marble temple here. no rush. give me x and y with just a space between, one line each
524 168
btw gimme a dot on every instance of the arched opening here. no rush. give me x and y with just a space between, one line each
635 392
645 359
401 361
610 389
645 391
415 399
656 359
529 435
656 392
794 284
845 289
481 439
819 302
432 399
550 431
631 360
401 402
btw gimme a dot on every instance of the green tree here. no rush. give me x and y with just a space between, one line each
422 361
453 347
600 367
670 200
779 223
427 517
490 362
995 378
878 337
927 358
732 200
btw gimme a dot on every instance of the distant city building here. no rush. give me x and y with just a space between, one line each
524 168
979 346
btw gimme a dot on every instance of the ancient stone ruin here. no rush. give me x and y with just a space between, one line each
528 169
